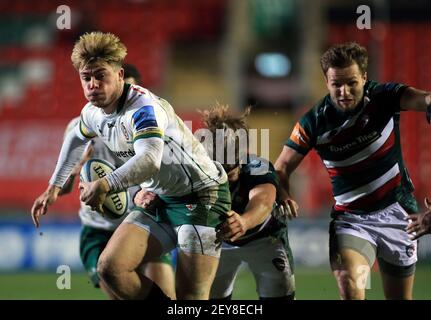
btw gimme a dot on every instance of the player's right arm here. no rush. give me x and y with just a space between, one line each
300 142
286 163
70 154
40 205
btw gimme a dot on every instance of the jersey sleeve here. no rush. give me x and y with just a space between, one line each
302 139
147 122
254 178
396 90
389 94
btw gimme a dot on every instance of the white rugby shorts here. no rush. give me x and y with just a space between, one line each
385 230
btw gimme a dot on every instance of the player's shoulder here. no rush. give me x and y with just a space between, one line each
311 114
89 109
310 118
89 114
257 165
374 88
137 94
139 97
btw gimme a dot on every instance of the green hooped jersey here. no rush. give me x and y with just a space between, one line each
257 171
361 149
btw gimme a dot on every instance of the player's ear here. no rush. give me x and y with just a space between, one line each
121 73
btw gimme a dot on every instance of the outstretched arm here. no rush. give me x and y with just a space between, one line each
418 100
68 186
71 152
287 162
415 99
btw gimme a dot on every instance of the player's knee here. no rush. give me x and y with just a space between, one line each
193 292
107 270
348 286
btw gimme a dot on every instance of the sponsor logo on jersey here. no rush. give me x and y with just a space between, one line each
125 154
357 143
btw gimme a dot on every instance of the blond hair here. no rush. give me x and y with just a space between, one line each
98 46
219 117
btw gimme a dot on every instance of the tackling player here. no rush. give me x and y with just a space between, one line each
256 230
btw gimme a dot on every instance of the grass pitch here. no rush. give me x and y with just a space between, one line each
311 284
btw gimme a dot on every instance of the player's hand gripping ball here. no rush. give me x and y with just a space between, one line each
115 204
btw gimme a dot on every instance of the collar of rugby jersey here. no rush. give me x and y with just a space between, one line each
123 97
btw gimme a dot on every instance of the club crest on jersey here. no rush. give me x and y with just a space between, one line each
410 250
124 130
191 207
279 263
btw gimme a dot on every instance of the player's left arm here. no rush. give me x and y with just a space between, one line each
415 99
420 223
260 204
418 100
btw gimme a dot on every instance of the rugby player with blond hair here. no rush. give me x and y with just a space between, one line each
159 153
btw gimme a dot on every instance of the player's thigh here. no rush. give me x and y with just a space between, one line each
195 275
92 242
351 259
350 246
197 261
397 280
268 260
138 239
229 263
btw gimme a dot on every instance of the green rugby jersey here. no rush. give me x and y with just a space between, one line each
257 171
361 149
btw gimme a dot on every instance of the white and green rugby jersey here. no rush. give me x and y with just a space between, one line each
87 216
361 150
140 114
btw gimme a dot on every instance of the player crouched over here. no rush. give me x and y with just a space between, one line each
256 230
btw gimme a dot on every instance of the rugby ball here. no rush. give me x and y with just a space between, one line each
116 204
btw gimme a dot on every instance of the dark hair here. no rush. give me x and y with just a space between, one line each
344 55
130 71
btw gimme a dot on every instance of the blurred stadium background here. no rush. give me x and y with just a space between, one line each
194 53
